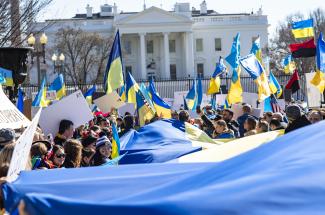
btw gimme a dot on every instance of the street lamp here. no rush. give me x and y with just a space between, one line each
58 63
39 51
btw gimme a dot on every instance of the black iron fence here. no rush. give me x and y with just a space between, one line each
166 88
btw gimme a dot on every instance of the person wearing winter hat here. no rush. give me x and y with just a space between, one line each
7 136
89 141
103 151
296 118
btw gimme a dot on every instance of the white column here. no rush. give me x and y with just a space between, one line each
190 49
143 67
166 57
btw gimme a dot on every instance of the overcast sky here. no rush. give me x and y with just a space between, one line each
275 9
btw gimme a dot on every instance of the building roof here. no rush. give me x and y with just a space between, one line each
95 16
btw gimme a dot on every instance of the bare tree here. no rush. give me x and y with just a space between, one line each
280 43
16 18
86 54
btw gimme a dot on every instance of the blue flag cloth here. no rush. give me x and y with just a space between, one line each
20 101
157 142
284 176
199 92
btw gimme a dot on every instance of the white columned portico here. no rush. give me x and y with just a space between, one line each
166 56
190 54
143 67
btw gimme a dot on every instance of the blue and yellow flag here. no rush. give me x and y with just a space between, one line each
254 68
319 78
146 95
145 113
7 75
275 87
162 109
40 99
122 93
302 29
191 97
115 142
236 90
288 64
58 86
131 88
215 82
20 101
256 49
89 94
114 71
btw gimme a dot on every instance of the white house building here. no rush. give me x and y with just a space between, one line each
174 44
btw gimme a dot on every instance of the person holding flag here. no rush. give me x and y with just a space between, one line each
114 71
236 90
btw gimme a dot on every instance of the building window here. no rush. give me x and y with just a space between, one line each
172 46
199 45
200 70
173 73
217 44
150 46
128 69
128 47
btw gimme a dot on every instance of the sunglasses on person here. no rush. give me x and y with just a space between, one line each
60 156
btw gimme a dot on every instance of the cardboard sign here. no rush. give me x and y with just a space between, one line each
73 107
21 152
127 107
109 101
10 116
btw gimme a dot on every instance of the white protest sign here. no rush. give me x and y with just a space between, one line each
314 97
109 101
10 116
238 110
22 148
127 107
73 107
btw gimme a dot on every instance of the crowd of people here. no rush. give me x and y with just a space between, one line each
90 145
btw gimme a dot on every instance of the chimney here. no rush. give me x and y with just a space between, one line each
89 12
203 8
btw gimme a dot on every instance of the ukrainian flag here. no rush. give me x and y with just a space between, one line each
146 95
288 64
303 28
144 111
7 75
89 94
256 49
253 66
132 88
122 93
236 90
319 78
199 92
163 110
58 86
275 87
20 101
191 97
40 99
115 142
215 82
114 70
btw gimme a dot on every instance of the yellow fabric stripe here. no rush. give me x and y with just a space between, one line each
61 93
319 81
214 85
9 82
132 94
302 33
115 76
145 113
114 149
44 102
263 87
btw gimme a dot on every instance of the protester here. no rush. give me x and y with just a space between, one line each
87 157
275 125
233 125
222 131
128 122
183 116
7 136
102 122
103 151
73 150
262 127
250 126
296 118
247 110
280 118
58 157
268 116
89 140
66 132
38 153
315 116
